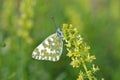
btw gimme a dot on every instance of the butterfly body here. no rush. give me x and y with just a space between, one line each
51 48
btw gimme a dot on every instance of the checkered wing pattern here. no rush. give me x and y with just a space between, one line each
50 49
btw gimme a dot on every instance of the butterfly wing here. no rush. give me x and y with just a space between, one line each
50 49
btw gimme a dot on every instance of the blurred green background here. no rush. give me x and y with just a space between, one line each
24 24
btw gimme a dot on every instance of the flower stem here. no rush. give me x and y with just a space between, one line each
85 68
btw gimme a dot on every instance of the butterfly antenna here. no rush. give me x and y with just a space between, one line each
53 19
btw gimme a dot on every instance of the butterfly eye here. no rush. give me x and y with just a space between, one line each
59 33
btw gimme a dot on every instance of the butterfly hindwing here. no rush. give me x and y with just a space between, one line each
49 49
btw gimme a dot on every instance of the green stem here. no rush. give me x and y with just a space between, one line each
85 67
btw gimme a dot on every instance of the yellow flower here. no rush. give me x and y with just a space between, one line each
69 54
80 77
86 49
95 69
90 58
68 45
78 52
75 62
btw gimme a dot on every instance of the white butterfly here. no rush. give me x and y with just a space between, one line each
51 48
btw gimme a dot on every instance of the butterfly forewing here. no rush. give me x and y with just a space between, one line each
49 49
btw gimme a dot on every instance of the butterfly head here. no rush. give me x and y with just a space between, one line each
59 33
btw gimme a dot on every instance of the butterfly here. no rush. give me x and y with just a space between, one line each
51 48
